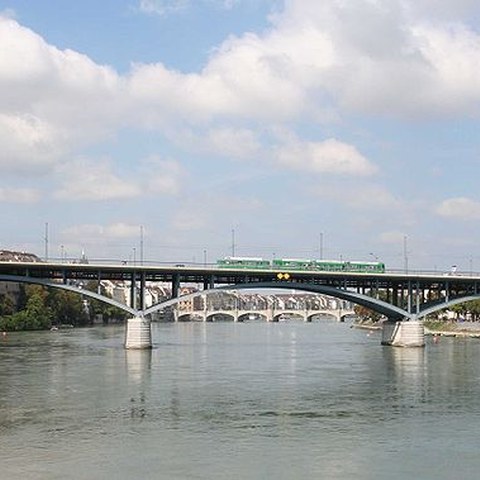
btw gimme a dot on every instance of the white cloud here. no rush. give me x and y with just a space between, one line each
165 7
51 93
28 143
316 56
443 9
360 196
8 13
190 220
229 4
392 237
453 53
162 7
372 76
214 210
163 177
95 179
329 156
85 180
315 60
228 142
122 230
19 195
461 208
111 231
245 78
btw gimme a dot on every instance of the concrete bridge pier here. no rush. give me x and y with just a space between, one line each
138 333
405 333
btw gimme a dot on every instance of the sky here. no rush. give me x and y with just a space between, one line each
189 130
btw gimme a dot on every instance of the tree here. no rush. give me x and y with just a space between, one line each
97 307
38 307
7 305
35 316
366 315
463 309
68 307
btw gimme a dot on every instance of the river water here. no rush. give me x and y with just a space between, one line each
237 401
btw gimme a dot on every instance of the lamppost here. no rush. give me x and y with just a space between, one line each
141 244
46 241
405 253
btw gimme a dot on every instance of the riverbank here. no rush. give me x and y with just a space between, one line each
452 329
367 325
436 328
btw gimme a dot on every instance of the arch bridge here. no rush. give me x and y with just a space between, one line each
403 299
267 314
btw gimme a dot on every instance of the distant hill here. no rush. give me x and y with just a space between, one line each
11 256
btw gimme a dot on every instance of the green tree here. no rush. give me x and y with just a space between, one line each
67 308
35 316
366 315
467 308
38 315
97 307
7 305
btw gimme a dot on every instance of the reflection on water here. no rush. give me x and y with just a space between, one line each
254 400
138 371
139 365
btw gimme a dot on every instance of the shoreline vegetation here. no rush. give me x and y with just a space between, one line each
440 328
35 307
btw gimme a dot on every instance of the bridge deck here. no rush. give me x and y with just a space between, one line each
197 274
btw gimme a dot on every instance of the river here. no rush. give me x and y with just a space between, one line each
250 401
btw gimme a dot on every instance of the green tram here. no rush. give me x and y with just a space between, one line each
298 264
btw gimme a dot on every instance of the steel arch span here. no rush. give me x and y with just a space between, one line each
436 307
384 308
70 288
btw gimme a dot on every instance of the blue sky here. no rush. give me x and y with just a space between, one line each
355 121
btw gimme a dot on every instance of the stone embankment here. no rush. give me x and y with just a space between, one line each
367 325
436 328
453 329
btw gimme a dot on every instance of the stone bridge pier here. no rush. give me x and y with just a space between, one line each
409 333
138 333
